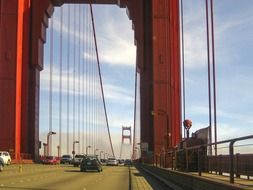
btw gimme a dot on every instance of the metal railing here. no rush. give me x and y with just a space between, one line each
233 164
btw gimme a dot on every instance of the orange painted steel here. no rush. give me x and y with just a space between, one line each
166 74
23 34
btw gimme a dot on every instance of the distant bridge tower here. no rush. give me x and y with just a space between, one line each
126 135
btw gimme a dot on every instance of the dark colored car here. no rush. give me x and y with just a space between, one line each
77 160
1 164
128 162
49 160
90 163
66 159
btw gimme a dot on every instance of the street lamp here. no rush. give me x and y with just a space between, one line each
87 148
48 135
168 131
100 154
73 152
95 151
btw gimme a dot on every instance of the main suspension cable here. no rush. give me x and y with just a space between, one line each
101 83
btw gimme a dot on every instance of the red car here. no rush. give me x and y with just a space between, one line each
49 160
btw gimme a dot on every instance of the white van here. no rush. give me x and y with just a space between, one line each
6 157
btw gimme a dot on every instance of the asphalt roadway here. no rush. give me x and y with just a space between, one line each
61 177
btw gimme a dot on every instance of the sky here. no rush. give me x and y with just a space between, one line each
117 59
233 22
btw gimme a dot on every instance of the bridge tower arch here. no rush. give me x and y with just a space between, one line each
23 26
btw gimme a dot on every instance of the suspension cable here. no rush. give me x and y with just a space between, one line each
68 75
214 79
101 83
74 77
79 73
209 75
60 84
87 86
49 148
135 106
183 60
83 71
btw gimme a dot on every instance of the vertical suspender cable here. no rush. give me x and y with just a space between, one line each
49 146
68 73
183 60
93 101
83 95
135 106
74 77
87 82
209 76
60 98
79 73
214 79
101 83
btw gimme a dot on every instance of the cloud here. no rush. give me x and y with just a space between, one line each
113 45
112 93
195 39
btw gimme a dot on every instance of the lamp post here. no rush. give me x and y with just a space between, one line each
45 149
168 131
73 152
95 151
100 154
87 149
105 154
58 150
48 135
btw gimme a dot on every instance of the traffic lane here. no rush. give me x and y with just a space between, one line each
115 178
70 178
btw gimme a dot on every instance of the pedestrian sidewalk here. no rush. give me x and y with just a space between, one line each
138 182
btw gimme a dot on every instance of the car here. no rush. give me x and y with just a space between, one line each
112 162
6 157
90 163
66 159
128 162
49 160
77 160
1 164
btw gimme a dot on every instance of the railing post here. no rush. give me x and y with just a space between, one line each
199 161
186 158
231 163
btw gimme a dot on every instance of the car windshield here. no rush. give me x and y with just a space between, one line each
49 157
66 156
90 158
79 156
